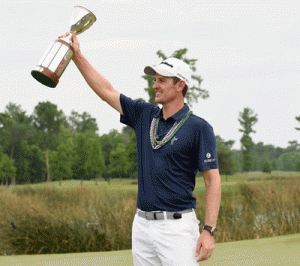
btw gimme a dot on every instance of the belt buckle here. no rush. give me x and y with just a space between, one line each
149 215
154 214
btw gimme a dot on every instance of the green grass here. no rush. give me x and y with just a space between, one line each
283 250
125 185
53 219
229 183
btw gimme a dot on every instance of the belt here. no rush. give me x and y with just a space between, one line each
160 215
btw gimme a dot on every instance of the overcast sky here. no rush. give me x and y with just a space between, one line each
248 56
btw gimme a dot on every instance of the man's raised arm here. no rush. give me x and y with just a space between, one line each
95 80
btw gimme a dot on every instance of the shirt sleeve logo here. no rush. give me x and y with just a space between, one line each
209 159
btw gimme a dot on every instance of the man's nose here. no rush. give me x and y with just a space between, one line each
155 86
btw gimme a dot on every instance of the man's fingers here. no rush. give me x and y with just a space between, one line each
198 248
204 256
74 37
65 35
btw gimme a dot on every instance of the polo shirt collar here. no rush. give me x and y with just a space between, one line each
182 113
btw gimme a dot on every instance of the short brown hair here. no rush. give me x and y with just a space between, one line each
184 91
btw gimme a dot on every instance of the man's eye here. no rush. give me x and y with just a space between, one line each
160 80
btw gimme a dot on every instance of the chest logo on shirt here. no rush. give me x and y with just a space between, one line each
173 139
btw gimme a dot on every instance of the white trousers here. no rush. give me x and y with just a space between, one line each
165 242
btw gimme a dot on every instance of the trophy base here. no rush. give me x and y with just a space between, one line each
46 77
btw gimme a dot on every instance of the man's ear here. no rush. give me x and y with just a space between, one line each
181 84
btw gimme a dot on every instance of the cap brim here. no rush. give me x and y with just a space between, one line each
149 71
153 70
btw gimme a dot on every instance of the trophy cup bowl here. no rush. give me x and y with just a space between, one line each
59 53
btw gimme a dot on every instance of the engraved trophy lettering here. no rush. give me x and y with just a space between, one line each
59 53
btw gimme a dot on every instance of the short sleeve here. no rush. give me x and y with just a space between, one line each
207 153
132 111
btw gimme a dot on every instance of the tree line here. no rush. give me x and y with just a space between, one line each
47 145
260 157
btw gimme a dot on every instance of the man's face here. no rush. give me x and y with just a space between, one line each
165 89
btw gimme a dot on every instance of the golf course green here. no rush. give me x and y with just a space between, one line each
282 250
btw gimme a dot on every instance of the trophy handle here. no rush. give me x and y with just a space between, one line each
82 23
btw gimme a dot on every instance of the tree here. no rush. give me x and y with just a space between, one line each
82 122
61 166
88 160
7 169
247 120
297 166
193 93
225 156
131 154
298 119
80 155
1 155
47 119
293 146
65 137
14 127
118 162
288 161
267 168
94 165
109 142
262 152
32 167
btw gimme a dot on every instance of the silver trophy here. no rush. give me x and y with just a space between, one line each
59 53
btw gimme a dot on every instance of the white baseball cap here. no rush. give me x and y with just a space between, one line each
171 67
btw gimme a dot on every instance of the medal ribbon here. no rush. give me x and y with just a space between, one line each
154 128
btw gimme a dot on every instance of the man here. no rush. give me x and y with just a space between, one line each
172 145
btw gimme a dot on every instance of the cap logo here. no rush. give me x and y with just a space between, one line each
166 64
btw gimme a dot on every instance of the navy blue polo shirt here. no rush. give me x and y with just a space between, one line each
166 176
